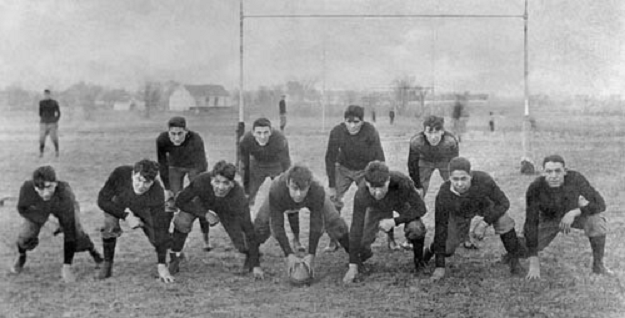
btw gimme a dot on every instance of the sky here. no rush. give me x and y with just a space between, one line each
575 46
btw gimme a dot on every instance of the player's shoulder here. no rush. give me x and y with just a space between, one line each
449 139
418 140
163 137
536 184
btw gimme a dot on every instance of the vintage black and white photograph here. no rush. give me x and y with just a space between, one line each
312 158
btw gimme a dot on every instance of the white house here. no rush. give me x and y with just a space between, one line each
186 97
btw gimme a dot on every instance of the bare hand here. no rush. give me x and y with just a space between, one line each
480 230
582 201
534 270
67 274
567 220
133 221
212 218
439 273
258 273
387 224
309 260
291 260
332 193
163 274
351 274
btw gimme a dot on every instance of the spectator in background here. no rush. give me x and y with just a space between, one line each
391 115
491 121
49 114
282 109
457 114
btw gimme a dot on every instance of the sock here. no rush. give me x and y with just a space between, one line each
108 245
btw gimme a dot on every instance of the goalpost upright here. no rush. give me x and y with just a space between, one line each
524 16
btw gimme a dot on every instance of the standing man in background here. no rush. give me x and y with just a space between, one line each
181 152
49 112
352 145
282 106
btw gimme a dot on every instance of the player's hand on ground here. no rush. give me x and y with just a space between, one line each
309 260
291 260
439 273
387 224
480 230
163 274
534 269
67 274
351 274
582 202
567 220
258 273
133 221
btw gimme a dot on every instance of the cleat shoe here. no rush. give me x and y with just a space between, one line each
365 255
515 267
600 269
174 263
106 270
18 265
406 245
392 245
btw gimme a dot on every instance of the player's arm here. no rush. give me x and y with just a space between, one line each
530 229
285 156
107 194
163 163
413 164
331 154
355 235
242 209
414 206
316 222
377 147
202 163
277 224
184 199
57 111
244 163
592 201
26 204
501 204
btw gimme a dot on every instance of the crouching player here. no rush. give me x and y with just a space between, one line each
383 193
217 191
40 197
131 194
559 200
465 195
289 193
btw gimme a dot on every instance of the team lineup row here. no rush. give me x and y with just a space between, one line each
557 201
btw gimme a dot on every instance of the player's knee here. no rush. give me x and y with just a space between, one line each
27 243
504 224
415 230
183 222
596 225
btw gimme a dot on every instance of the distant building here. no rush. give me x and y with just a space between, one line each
129 104
188 97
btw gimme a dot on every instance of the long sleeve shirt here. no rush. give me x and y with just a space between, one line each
402 197
275 151
280 202
190 154
49 111
353 152
545 203
422 151
232 209
483 198
32 207
117 195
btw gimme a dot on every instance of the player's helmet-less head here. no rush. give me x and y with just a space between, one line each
177 130
354 118
44 179
377 179
298 178
433 128
143 175
223 178
261 129
554 170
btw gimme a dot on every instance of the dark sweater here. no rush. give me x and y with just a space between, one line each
422 151
483 198
32 207
233 208
275 151
353 152
117 195
190 154
280 201
282 107
49 111
402 197
546 203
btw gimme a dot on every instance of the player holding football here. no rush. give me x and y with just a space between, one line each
40 197
181 152
383 193
289 193
217 191
132 193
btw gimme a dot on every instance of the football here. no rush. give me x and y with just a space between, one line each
300 275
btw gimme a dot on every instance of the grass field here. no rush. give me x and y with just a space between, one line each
477 285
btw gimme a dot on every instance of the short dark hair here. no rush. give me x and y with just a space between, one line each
42 175
377 173
460 163
46 91
434 122
300 175
147 169
261 122
554 158
224 169
354 111
177 121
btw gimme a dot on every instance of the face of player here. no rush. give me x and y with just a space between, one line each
297 194
262 134
554 173
47 95
221 185
47 191
434 136
460 181
378 193
177 135
140 184
353 124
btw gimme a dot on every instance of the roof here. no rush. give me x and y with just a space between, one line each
206 90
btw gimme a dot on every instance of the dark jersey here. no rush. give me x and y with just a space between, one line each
190 154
